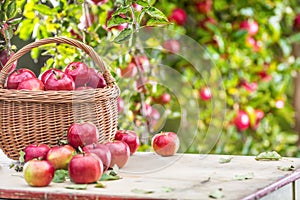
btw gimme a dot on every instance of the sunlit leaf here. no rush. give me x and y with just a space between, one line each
77 187
225 159
117 20
217 194
155 13
142 191
123 36
269 155
241 177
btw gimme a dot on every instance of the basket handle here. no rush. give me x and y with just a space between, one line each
86 48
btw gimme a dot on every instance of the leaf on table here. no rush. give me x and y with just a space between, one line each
223 160
286 168
269 155
167 189
109 177
60 176
77 187
141 191
217 194
100 185
241 177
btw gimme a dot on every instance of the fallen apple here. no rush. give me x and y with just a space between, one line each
85 168
120 153
130 138
101 151
60 156
165 143
38 151
38 173
82 134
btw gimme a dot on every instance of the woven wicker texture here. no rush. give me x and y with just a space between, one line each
29 117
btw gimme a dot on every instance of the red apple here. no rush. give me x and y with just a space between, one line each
165 143
79 72
251 26
98 2
38 173
101 151
85 168
250 87
137 7
242 120
82 134
44 76
120 104
4 57
60 156
83 88
130 138
208 20
204 6
120 153
265 77
33 84
18 76
178 15
96 79
172 46
58 80
129 71
142 62
296 24
165 98
36 151
205 93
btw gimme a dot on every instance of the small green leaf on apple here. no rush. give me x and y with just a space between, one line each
286 168
141 191
241 177
60 176
100 185
77 187
217 194
223 160
269 155
21 156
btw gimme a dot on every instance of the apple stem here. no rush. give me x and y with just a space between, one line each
80 150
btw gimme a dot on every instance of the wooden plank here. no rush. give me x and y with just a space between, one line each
184 176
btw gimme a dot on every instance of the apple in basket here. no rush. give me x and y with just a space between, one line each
58 80
60 156
85 168
33 84
120 153
16 77
36 151
101 151
130 138
45 75
38 173
165 143
96 79
79 72
82 134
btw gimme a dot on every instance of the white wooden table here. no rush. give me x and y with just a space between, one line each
184 176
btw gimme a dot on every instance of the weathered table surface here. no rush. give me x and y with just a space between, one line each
184 176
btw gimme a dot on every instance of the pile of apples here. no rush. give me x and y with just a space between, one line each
86 159
75 76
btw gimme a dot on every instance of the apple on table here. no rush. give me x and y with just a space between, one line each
120 153
130 138
165 143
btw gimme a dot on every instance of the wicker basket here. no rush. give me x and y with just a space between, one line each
28 117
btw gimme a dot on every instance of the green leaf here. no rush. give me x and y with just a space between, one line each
167 189
11 9
217 194
8 32
252 115
155 13
44 10
143 3
123 36
156 22
141 191
100 185
60 176
21 156
117 20
286 168
35 52
121 10
270 155
14 21
241 177
225 159
77 187
109 177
